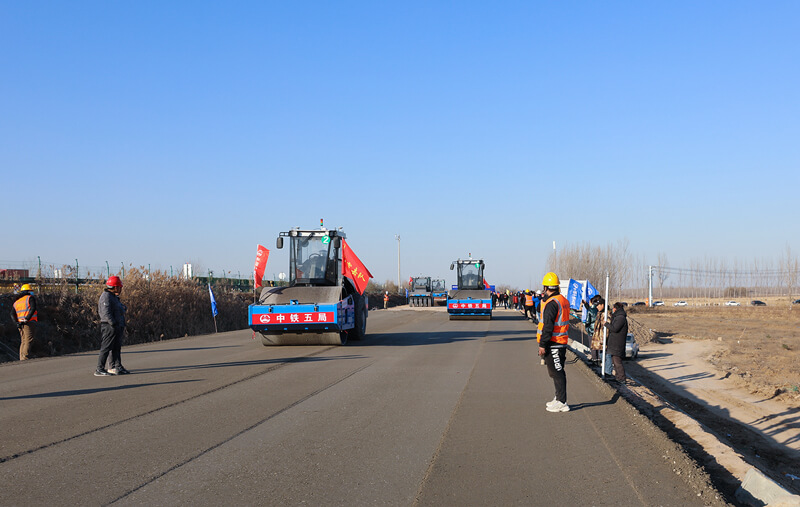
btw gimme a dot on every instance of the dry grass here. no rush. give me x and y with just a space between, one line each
759 344
158 309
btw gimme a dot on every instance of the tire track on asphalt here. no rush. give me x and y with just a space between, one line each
245 430
288 362
437 452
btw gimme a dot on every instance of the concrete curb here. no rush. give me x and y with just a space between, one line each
756 489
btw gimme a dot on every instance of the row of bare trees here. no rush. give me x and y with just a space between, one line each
709 277
589 262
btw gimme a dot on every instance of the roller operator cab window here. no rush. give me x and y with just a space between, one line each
313 260
470 275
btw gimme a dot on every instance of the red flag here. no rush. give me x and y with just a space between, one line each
486 284
261 262
354 269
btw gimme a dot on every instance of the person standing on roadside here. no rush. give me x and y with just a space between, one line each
615 344
386 300
112 325
537 303
553 336
529 307
25 313
594 316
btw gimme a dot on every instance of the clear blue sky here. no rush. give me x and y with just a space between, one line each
165 132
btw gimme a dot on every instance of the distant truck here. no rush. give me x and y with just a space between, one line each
420 293
471 299
13 274
439 291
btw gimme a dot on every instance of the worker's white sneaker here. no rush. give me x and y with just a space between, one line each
550 403
558 407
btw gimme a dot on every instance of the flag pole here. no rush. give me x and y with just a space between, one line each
605 330
583 311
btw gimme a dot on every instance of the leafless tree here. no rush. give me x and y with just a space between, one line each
662 273
789 266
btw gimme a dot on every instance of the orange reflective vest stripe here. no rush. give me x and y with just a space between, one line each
23 306
528 299
561 325
386 297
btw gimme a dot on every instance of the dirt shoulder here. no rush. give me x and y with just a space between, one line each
758 345
737 384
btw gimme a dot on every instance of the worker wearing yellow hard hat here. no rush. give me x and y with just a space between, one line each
553 336
25 313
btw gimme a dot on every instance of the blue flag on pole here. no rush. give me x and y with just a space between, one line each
584 313
213 302
590 291
574 294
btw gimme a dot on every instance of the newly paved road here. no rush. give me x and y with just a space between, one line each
426 411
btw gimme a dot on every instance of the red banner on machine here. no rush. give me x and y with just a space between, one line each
354 269
261 262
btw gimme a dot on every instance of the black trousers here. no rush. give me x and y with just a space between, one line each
619 370
111 344
554 359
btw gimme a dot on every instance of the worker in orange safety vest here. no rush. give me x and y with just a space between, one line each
26 315
529 310
553 337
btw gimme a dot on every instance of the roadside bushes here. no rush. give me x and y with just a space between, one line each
159 308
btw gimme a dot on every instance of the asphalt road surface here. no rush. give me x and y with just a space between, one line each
425 411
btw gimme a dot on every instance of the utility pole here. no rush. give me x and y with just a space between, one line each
397 237
650 286
605 330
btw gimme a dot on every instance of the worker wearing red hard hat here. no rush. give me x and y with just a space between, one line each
112 326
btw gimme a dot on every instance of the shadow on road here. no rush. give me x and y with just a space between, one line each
652 355
257 362
579 406
419 338
508 317
179 350
435 338
80 392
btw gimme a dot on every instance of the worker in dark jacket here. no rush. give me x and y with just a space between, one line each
25 313
615 343
553 337
112 325
592 313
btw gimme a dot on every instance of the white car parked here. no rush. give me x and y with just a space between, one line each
631 347
732 303
681 303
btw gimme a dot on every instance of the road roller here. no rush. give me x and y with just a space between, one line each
420 293
471 299
321 305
